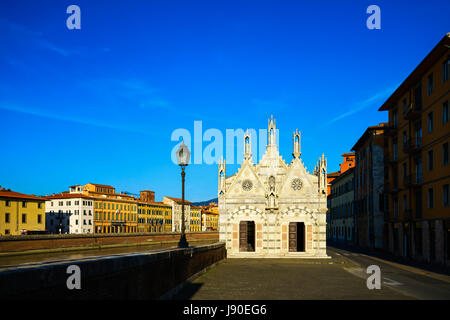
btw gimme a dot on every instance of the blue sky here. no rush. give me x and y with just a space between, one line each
100 104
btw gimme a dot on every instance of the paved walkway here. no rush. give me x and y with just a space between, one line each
272 279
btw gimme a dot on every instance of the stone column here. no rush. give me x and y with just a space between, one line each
309 239
284 238
259 238
235 238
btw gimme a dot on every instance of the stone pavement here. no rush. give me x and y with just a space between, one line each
290 279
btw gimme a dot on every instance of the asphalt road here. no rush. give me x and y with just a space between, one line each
410 281
341 277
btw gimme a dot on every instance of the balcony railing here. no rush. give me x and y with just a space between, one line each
413 145
412 180
390 130
412 112
389 188
390 158
408 214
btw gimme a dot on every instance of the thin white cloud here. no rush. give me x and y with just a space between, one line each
359 106
35 36
84 121
51 46
136 92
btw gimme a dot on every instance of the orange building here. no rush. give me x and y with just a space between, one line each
417 170
348 162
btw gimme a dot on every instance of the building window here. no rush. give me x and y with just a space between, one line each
39 218
418 169
430 122
24 218
6 217
6 231
394 118
445 112
430 160
430 84
405 202
404 171
404 106
445 195
395 208
430 198
7 203
395 149
39 205
445 70
24 204
445 154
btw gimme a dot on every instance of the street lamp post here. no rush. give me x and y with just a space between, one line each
183 156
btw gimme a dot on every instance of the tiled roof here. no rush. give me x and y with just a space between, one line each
66 195
6 193
178 200
159 203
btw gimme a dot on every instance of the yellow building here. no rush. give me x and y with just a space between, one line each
153 216
417 169
195 220
210 217
113 212
21 213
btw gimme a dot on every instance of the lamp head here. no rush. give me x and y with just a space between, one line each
183 155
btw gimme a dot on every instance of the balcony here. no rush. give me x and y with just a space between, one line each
408 214
413 146
412 113
412 181
388 158
388 188
390 131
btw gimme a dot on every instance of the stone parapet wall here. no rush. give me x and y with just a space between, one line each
42 242
143 275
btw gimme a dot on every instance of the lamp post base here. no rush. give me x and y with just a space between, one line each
183 242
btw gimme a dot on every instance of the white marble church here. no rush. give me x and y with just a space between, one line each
272 209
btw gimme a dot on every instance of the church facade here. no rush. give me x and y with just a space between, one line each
273 209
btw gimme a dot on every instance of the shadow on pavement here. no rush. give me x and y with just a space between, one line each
188 291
